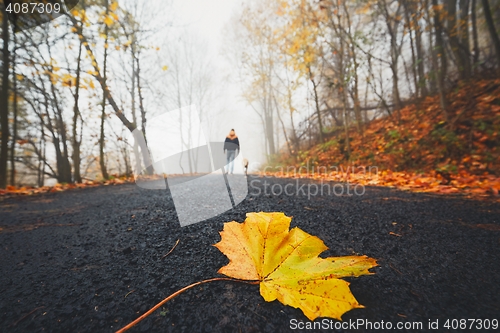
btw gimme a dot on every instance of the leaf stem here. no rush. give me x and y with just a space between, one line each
173 248
178 292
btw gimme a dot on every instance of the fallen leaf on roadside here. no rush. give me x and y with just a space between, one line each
287 265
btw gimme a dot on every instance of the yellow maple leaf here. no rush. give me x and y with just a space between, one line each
287 265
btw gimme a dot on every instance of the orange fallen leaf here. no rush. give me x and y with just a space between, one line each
287 265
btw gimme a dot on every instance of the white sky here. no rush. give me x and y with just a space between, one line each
207 19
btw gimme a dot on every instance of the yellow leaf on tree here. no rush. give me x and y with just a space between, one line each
287 265
67 80
108 21
114 6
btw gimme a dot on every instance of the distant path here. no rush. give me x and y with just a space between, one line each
89 260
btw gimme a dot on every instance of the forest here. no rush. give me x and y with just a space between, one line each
406 85
121 122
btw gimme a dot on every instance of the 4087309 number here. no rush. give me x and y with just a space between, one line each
33 8
469 324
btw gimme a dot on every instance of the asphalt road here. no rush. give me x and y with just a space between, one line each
90 260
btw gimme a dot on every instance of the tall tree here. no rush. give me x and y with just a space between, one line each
4 99
98 75
102 137
493 31
15 116
440 53
256 37
464 40
392 21
475 41
76 138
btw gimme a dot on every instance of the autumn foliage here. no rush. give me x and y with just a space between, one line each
418 149
30 190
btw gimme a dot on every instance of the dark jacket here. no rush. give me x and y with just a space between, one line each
231 144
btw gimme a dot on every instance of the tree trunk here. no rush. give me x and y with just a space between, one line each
355 89
288 144
76 114
420 57
347 143
63 164
4 101
132 91
433 80
14 124
41 159
464 37
141 100
346 125
294 139
453 33
475 58
493 32
441 52
102 158
318 112
395 87
269 123
392 30
409 23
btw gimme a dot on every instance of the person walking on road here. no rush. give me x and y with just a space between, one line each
231 145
